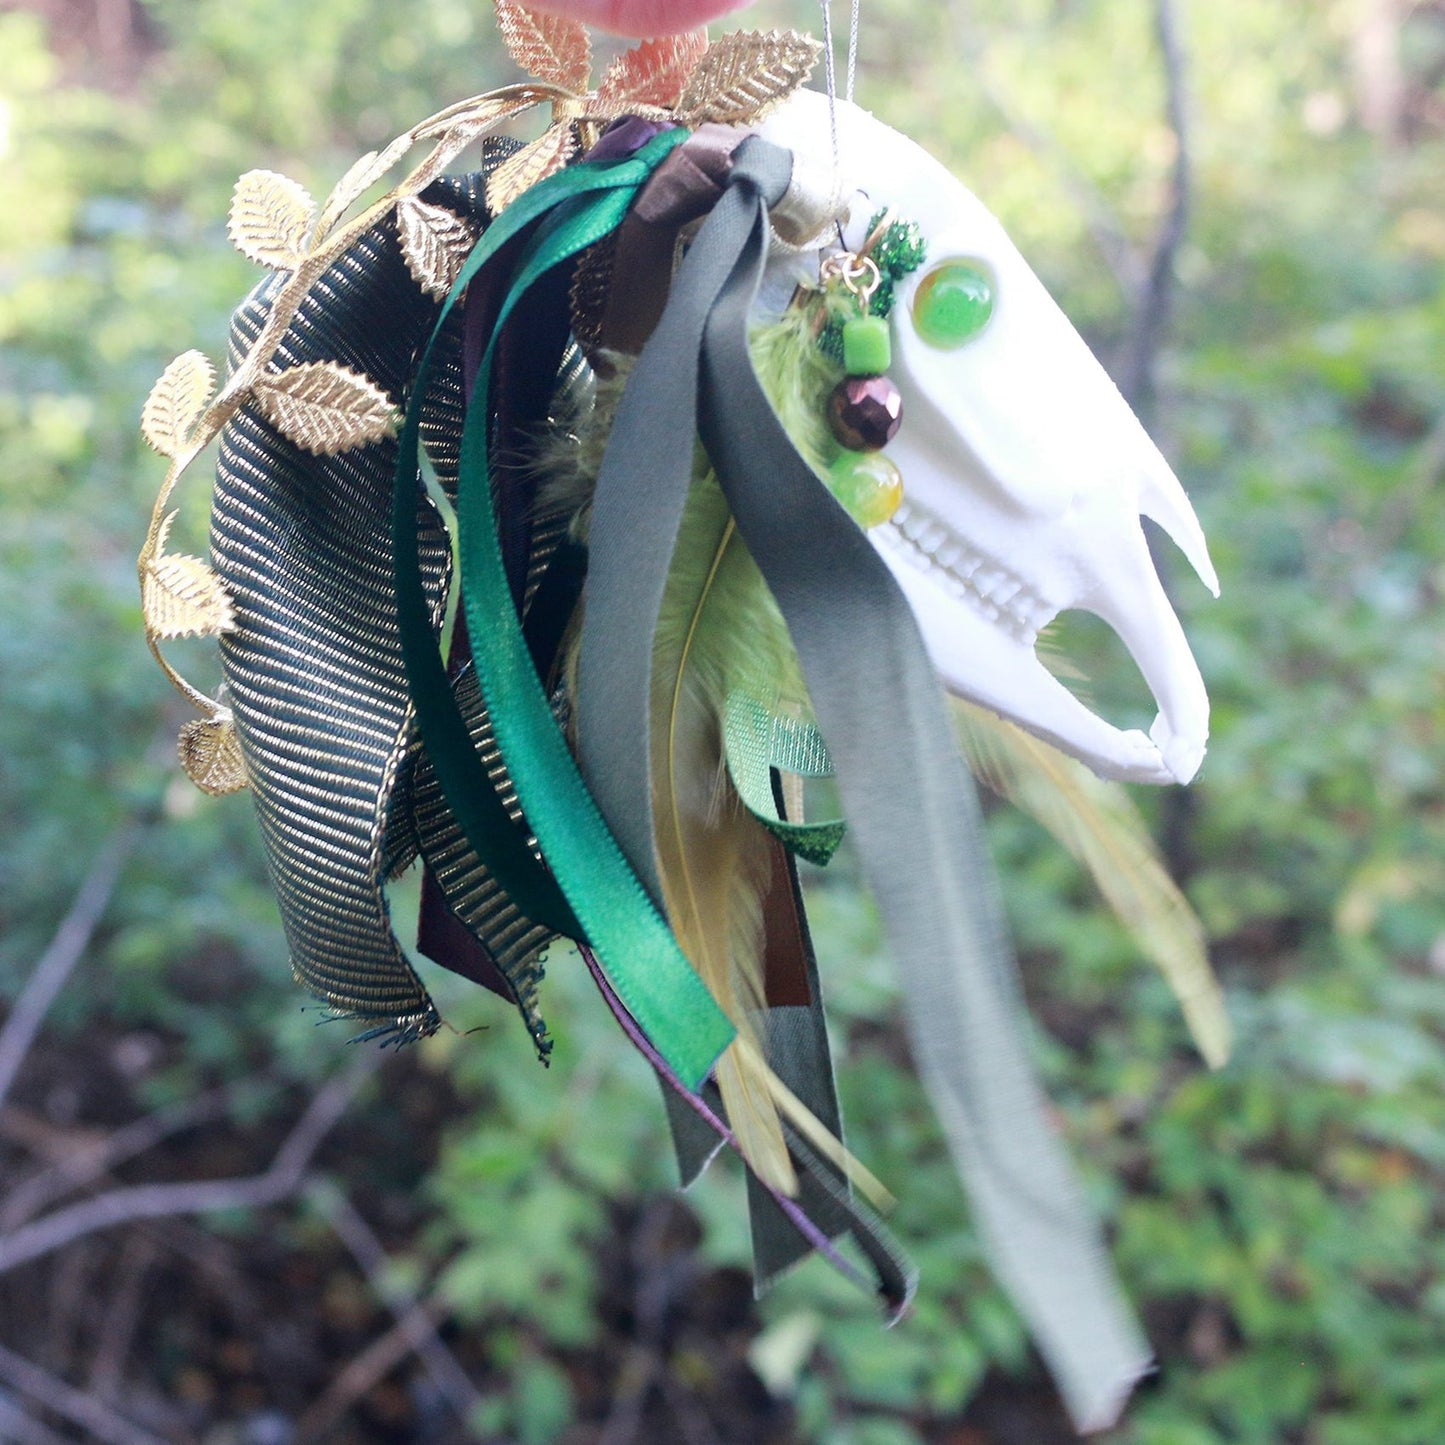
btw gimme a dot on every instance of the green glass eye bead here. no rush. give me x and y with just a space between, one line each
953 303
867 346
868 485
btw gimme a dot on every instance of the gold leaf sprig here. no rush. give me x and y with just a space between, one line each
177 402
646 81
551 48
434 243
655 72
181 596
745 75
271 216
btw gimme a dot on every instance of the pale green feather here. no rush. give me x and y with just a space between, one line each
1098 823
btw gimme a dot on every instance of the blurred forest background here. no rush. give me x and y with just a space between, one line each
402 1243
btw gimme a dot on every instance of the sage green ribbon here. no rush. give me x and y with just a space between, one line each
756 741
590 893
908 798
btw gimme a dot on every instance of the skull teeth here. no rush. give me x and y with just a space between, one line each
964 572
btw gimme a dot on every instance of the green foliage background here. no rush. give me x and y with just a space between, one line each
1278 1223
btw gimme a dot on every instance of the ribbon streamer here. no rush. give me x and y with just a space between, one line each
905 791
597 893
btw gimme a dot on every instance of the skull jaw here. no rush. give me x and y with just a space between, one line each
990 660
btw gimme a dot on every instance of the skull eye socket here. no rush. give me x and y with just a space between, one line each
954 303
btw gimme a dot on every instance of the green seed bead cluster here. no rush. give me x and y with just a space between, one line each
897 253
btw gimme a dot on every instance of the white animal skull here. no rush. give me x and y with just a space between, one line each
1025 472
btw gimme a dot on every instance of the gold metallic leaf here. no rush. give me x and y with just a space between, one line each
211 755
434 242
655 72
535 162
182 597
363 174
270 218
175 402
549 48
745 74
324 407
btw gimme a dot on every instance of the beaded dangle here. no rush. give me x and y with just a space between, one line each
865 410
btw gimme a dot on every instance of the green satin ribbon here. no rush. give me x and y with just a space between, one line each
591 893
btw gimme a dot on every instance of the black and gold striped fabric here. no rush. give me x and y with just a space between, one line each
313 669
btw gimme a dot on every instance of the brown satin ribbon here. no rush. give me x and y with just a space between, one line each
683 189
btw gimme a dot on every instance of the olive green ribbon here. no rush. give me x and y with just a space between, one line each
590 892
908 798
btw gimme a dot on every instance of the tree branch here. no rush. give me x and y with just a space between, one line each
65 951
1122 257
1139 355
17 1427
81 1409
417 1326
153 1201
95 1158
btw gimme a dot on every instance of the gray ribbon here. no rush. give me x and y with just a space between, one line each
907 795
635 523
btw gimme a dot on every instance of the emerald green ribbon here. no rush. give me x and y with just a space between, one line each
590 893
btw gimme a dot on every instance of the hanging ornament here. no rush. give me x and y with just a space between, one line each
742 466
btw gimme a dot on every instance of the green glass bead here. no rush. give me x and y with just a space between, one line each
867 346
868 484
953 303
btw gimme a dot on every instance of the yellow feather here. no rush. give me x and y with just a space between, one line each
1098 823
720 628
713 857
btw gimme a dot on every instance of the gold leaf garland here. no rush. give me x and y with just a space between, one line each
325 407
434 243
271 216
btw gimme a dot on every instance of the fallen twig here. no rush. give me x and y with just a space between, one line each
363 1373
420 1330
153 1201
65 951
84 1410
117 1332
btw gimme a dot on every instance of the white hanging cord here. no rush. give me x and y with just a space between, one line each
853 49
831 75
